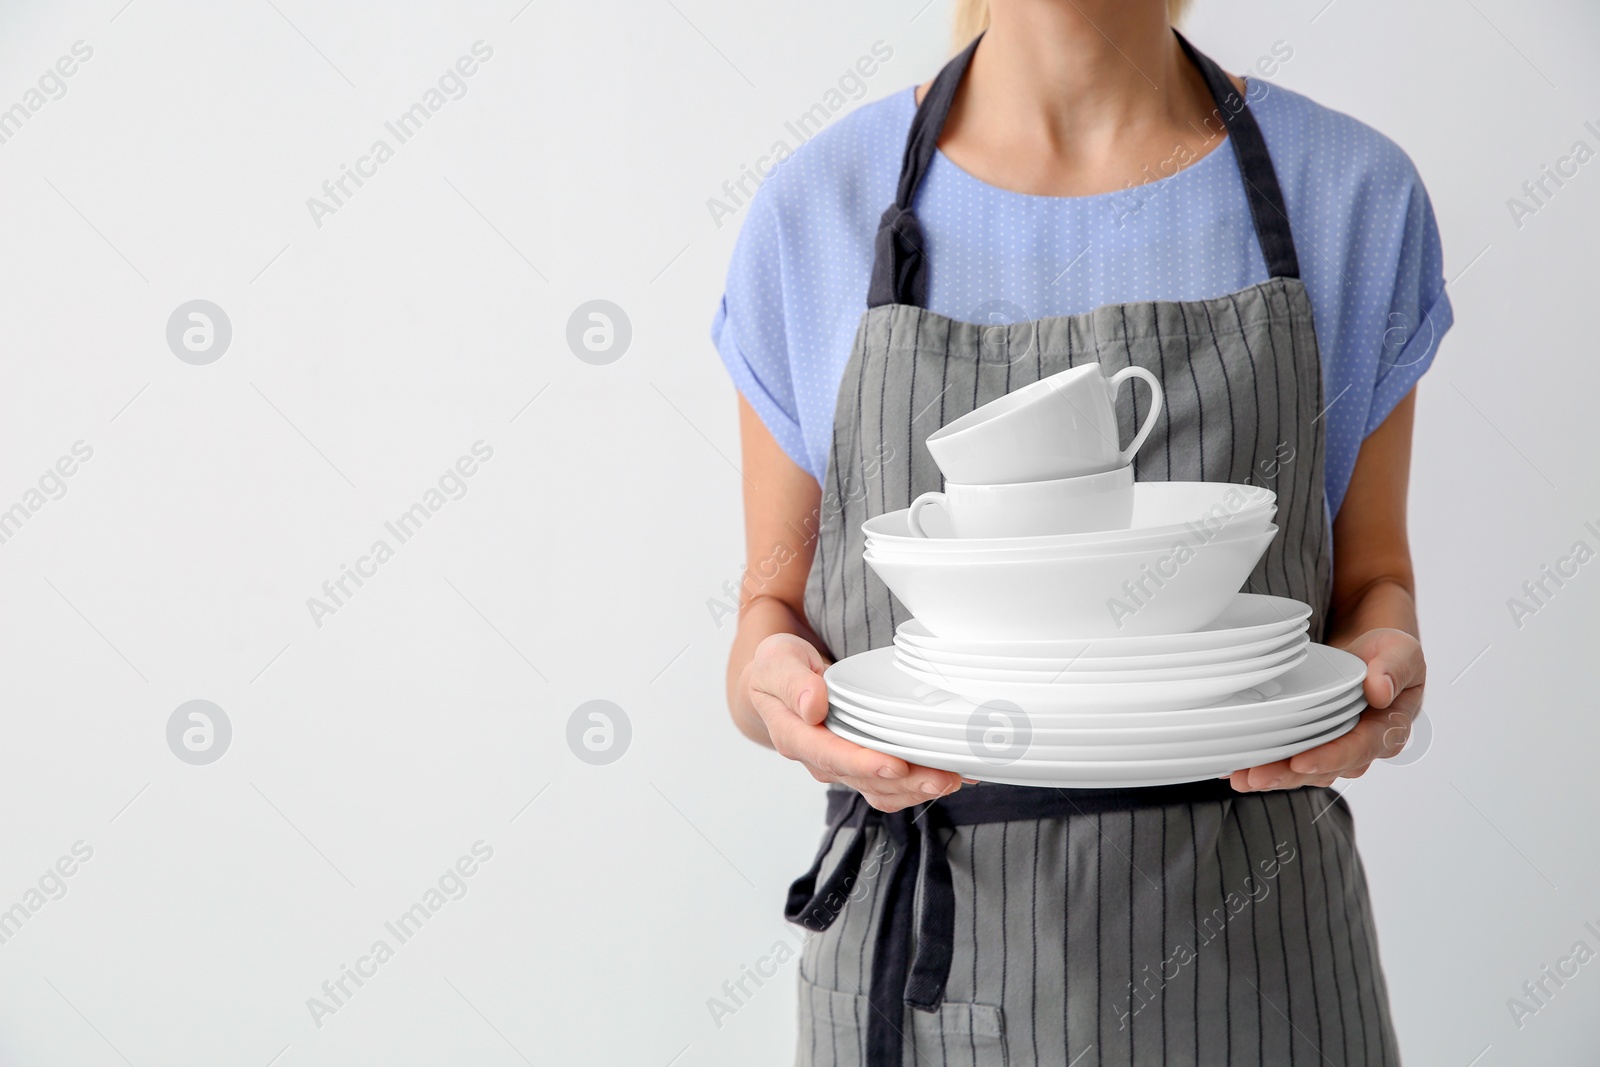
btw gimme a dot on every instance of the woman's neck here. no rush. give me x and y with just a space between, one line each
1075 97
1063 71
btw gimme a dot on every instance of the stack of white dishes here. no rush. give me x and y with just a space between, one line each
1074 628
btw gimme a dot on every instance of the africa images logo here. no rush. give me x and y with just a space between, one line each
451 85
851 85
452 485
451 885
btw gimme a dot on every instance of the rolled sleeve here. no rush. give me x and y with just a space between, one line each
1401 369
776 411
1419 309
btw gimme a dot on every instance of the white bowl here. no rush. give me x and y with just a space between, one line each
953 548
1161 511
1158 695
1248 617
1090 663
1079 596
1073 674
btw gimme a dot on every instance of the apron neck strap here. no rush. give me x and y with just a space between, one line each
1267 209
900 272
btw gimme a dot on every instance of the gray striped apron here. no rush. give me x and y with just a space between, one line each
1012 925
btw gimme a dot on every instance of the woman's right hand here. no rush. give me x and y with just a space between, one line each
785 686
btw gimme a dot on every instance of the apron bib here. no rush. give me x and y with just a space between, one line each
1014 925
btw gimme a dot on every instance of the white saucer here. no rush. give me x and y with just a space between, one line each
1132 661
1129 694
1248 617
1069 673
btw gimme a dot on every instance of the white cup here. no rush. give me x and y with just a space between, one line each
1084 504
1062 426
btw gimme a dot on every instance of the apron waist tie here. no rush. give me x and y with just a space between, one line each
919 866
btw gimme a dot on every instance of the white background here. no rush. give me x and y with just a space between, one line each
424 715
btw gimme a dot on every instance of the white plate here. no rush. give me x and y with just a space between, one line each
1135 661
1164 695
1111 728
1160 746
1124 670
1097 774
1161 511
872 680
1247 617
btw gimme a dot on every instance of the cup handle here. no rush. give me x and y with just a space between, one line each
913 517
1156 402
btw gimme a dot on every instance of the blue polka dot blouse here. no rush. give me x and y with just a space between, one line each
1364 228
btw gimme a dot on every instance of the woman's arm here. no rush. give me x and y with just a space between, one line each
1374 614
775 689
779 499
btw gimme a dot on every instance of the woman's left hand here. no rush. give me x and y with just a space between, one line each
1396 673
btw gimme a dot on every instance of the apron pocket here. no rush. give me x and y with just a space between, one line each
833 1029
963 1034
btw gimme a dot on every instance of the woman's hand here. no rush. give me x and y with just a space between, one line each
784 684
776 694
1396 673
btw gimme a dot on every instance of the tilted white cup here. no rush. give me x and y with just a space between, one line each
1085 504
1062 426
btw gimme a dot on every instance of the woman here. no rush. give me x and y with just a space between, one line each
1089 188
